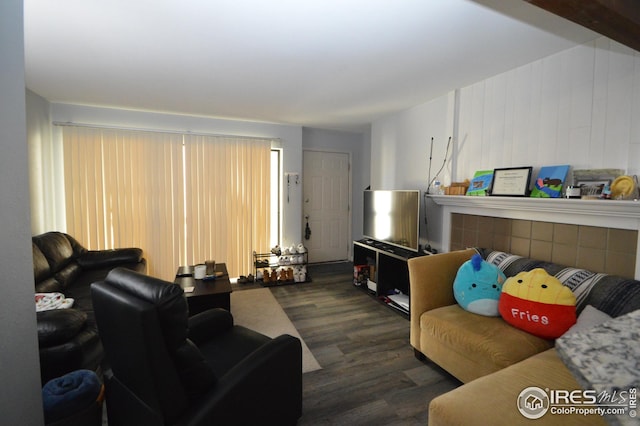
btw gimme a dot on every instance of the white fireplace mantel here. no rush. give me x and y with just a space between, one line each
602 213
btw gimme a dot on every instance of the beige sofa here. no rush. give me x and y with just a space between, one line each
493 360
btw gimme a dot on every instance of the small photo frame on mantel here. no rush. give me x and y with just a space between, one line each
592 182
511 182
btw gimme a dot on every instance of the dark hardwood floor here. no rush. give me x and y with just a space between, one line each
370 375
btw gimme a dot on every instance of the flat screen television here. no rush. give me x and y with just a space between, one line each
392 217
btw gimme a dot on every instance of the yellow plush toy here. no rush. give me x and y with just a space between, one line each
537 302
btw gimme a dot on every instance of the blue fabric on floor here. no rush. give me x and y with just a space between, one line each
69 394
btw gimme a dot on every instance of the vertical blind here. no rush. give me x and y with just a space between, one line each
182 198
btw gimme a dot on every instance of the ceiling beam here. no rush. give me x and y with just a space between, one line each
617 19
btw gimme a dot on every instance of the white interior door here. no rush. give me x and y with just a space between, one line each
326 198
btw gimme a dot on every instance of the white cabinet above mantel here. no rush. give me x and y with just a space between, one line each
604 213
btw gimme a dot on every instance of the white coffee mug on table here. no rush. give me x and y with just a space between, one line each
199 271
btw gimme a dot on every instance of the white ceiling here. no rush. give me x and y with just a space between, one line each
319 63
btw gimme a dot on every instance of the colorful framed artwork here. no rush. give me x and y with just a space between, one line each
550 181
481 183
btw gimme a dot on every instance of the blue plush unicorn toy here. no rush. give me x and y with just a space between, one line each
478 285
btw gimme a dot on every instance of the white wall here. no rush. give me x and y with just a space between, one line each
401 150
290 136
45 210
578 107
401 145
20 388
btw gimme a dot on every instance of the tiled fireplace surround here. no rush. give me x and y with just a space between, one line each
600 235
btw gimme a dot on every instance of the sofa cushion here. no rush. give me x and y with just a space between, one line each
56 248
611 294
109 258
41 270
50 285
58 326
615 295
82 351
68 274
495 396
470 346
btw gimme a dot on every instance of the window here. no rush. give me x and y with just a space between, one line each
276 199
181 198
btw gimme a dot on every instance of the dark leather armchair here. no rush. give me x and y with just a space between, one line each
168 368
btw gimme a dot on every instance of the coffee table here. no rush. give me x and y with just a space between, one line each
206 294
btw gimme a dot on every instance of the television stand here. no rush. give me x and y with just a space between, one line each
390 272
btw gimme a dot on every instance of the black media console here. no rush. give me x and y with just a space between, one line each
390 272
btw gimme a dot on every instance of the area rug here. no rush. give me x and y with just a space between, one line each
259 310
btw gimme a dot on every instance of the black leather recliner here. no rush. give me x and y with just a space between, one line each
167 368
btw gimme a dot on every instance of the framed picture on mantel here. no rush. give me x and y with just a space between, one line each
550 181
511 182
